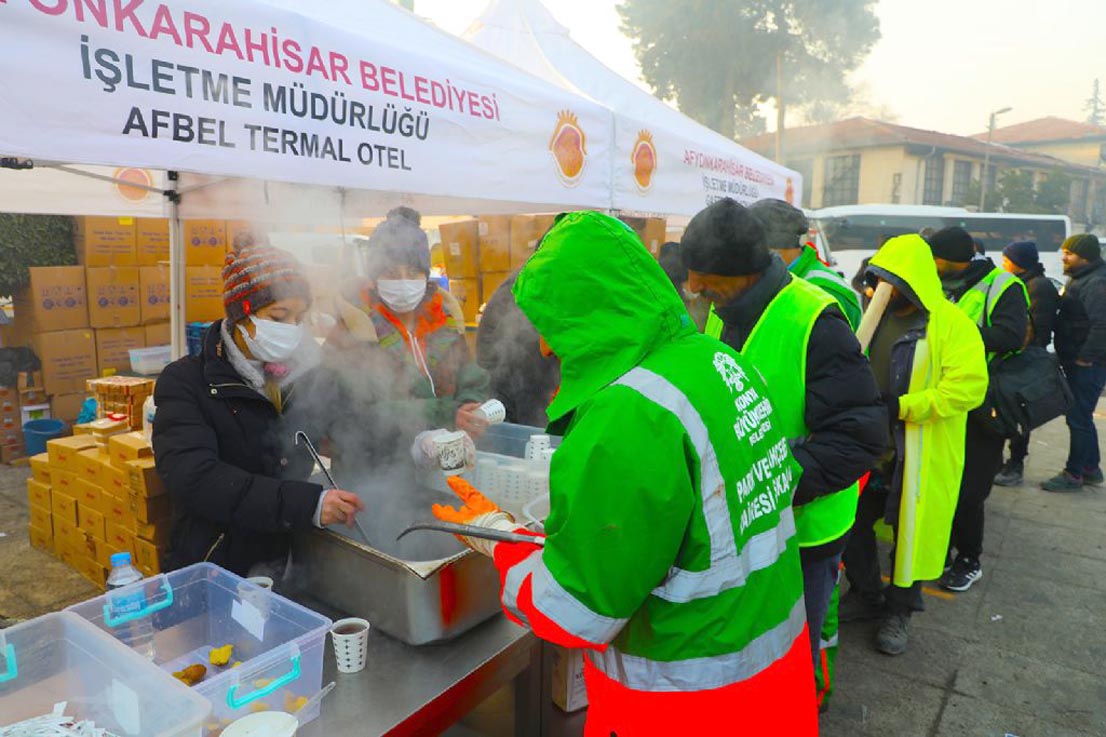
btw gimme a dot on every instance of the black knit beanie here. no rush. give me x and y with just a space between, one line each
1085 245
726 240
398 241
952 244
784 224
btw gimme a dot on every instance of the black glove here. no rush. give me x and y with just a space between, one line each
892 402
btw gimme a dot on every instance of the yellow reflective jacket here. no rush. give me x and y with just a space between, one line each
948 378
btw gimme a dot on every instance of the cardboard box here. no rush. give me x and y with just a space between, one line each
113 347
122 539
91 521
148 510
41 538
489 283
11 452
67 407
461 241
160 334
42 518
113 300
38 494
526 231
205 242
55 299
63 505
63 451
69 553
40 468
29 380
495 243
203 293
128 446
569 693
153 294
104 241
67 533
32 397
143 478
68 359
117 511
89 496
88 465
153 532
151 241
89 567
467 292
114 480
147 556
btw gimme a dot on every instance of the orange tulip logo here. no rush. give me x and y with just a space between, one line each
644 158
140 177
569 148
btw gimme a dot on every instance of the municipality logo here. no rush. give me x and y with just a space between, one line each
568 146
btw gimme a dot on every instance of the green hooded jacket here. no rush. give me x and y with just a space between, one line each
808 267
947 373
670 535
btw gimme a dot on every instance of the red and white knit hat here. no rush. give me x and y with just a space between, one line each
256 277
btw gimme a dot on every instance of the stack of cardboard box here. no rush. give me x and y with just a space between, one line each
95 494
121 397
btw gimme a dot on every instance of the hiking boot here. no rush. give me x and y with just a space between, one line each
857 607
1093 478
962 575
1063 481
892 636
1010 475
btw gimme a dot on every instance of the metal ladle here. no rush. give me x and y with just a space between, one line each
300 434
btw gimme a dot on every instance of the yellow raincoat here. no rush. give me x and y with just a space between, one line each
948 378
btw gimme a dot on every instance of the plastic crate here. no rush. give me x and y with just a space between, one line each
149 361
194 337
61 657
279 643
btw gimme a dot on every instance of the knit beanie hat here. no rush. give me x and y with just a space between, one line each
784 224
256 277
398 241
952 244
1085 245
726 240
1023 254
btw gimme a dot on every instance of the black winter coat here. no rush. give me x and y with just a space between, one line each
1044 304
843 411
1009 324
225 456
1081 326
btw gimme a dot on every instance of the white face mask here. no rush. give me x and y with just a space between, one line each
274 342
401 295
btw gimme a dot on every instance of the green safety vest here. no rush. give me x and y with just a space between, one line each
979 302
779 337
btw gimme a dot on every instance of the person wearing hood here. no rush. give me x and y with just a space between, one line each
998 303
399 370
1022 260
1081 348
821 385
220 444
930 364
786 228
670 555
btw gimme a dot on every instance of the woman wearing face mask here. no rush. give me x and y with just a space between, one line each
398 356
219 442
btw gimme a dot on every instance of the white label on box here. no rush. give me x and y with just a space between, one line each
125 708
482 228
250 617
455 248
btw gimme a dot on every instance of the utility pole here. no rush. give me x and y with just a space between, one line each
987 156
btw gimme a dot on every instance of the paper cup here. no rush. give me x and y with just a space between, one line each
494 411
263 581
451 452
351 644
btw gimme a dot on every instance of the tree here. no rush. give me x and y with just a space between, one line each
32 240
1053 196
1015 192
1096 109
718 60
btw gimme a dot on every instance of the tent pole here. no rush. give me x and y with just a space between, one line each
176 272
101 177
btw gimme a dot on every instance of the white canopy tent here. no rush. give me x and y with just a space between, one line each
279 112
664 162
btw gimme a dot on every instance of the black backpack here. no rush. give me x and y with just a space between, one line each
1026 390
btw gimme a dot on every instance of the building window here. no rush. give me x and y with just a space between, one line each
805 167
935 181
961 180
896 188
842 181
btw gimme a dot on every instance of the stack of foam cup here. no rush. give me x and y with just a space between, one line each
537 445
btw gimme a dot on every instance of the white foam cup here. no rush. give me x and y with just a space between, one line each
451 452
494 411
351 644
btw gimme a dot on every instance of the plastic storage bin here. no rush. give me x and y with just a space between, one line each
61 657
279 643
194 337
149 361
37 432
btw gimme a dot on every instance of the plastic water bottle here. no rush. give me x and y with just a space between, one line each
138 634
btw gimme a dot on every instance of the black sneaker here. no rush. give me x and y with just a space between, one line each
1093 478
1010 475
893 636
857 607
962 575
1062 482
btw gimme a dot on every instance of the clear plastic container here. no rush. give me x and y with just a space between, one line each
279 643
61 657
150 361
